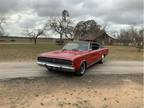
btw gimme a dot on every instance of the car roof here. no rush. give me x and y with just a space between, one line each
85 42
82 41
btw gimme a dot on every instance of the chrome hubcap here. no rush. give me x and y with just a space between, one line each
82 68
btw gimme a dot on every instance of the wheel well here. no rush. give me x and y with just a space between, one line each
85 63
104 55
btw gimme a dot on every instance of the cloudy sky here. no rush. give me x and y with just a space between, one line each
116 14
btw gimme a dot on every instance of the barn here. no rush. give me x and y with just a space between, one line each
103 38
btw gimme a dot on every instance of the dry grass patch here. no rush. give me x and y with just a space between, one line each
29 52
24 52
124 53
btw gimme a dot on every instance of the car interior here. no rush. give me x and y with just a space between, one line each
95 46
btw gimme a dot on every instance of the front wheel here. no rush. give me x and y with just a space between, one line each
49 69
82 70
102 59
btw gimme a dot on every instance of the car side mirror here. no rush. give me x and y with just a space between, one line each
90 49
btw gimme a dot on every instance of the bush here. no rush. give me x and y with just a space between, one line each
12 40
59 42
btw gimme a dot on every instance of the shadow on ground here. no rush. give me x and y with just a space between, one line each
69 79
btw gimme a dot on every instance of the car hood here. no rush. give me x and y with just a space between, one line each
64 54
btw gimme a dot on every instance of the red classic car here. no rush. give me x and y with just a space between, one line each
74 57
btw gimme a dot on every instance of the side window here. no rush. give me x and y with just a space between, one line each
95 46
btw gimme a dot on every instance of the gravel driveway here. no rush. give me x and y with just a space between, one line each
31 69
114 84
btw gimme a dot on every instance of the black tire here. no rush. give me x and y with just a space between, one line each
102 59
82 70
49 69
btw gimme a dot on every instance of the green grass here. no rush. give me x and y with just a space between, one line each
28 52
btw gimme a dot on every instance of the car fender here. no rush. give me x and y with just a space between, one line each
77 62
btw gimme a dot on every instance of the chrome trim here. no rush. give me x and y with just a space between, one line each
63 67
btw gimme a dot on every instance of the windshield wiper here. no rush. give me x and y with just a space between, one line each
75 49
70 49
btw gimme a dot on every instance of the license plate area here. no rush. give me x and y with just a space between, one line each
54 68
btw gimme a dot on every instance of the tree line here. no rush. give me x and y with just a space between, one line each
83 30
133 37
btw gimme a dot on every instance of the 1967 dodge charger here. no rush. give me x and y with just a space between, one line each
74 57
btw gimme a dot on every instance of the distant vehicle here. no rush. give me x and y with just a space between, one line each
74 57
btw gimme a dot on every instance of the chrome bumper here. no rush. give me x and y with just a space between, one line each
56 66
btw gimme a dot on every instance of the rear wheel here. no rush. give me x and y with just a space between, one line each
82 70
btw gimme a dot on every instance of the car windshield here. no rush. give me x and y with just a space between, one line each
76 46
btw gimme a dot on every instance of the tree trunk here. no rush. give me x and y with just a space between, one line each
61 40
60 37
35 41
139 49
140 46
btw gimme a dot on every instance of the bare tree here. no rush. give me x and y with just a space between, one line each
2 22
64 29
139 38
34 33
132 36
27 33
125 37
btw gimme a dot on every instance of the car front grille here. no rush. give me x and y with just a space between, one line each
55 60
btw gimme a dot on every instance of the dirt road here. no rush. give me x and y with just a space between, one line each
31 69
114 84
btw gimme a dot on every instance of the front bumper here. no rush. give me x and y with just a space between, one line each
56 66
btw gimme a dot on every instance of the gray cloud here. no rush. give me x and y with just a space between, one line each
120 12
117 11
6 5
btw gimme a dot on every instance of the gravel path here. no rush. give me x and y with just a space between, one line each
31 69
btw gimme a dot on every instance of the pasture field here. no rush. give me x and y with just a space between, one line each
29 52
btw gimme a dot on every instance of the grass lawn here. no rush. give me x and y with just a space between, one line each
28 52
